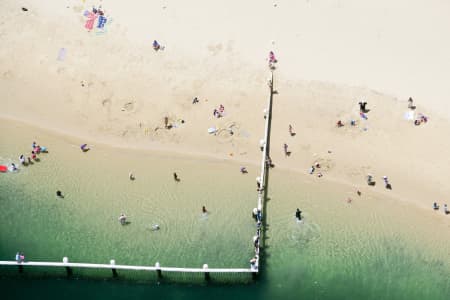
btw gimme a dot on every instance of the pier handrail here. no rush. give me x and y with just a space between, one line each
125 267
264 152
262 179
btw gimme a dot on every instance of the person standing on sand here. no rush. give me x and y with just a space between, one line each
410 103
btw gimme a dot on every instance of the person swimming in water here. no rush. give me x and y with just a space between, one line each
59 194
122 219
298 214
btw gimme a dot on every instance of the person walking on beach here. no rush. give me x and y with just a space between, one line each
386 182
291 130
446 212
204 211
175 177
286 152
362 106
298 214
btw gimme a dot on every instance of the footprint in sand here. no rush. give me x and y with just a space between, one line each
7 75
106 102
215 49
129 106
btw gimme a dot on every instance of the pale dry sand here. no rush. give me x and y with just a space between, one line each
114 88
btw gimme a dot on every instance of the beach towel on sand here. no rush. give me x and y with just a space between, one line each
101 22
409 115
90 21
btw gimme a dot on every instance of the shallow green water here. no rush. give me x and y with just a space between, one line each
342 251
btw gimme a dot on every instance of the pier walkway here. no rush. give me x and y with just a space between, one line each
262 179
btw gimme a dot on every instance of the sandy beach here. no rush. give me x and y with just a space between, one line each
64 84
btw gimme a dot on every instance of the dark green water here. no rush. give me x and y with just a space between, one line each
342 251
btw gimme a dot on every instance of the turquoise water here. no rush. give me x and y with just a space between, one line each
373 248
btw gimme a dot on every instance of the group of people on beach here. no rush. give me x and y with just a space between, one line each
28 160
421 118
362 113
436 207
371 182
313 168
272 60
218 113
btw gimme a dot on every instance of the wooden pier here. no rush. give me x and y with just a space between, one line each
157 268
262 179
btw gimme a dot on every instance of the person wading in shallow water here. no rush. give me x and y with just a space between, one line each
298 214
